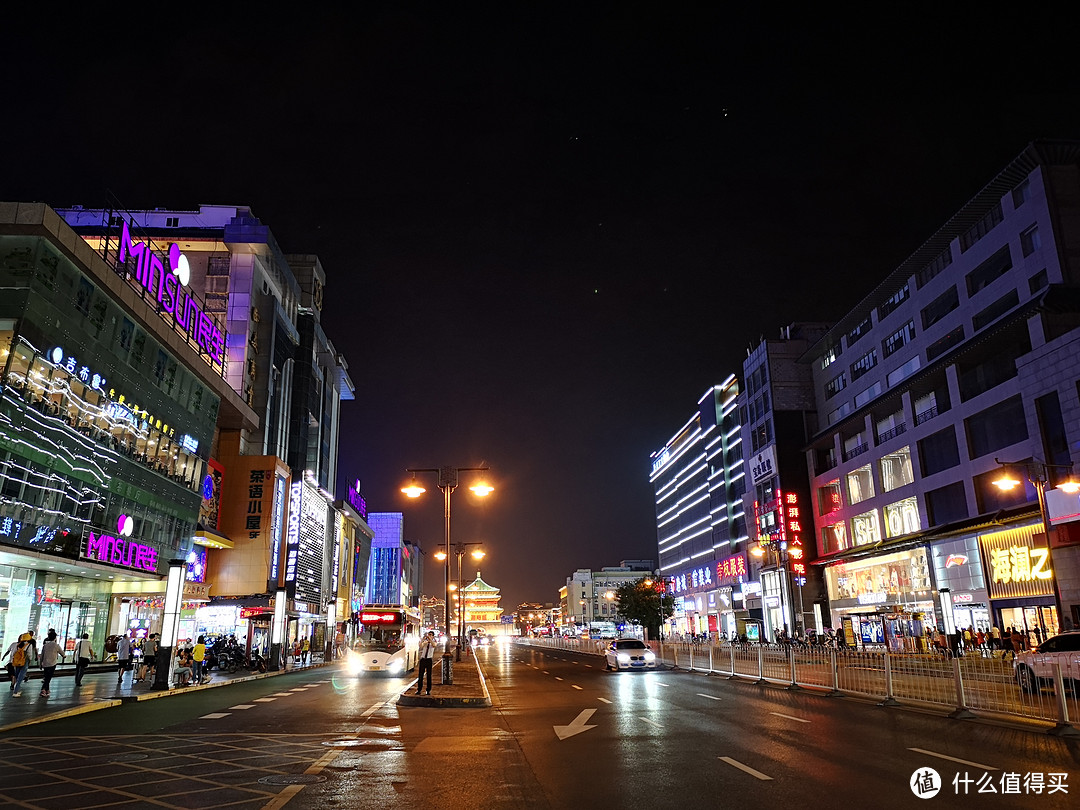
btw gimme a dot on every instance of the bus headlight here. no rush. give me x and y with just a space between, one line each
352 663
395 666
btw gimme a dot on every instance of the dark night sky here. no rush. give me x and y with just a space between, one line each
547 230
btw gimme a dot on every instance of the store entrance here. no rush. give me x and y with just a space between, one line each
1036 623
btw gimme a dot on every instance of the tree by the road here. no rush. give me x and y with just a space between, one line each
645 602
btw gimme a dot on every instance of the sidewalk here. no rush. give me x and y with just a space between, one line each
98 691
469 689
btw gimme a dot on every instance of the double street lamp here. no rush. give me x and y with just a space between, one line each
1038 473
459 550
448 482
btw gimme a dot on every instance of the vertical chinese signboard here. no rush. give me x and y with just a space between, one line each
252 512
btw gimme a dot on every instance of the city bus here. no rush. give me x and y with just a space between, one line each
388 640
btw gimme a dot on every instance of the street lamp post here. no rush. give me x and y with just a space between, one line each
1038 473
448 481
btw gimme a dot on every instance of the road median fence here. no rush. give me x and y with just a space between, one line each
970 685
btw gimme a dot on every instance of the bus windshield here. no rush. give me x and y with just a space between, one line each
380 631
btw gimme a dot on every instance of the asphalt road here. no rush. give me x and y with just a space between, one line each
562 733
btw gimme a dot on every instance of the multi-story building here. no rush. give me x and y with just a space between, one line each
588 597
392 571
698 479
108 409
962 358
254 311
778 416
478 603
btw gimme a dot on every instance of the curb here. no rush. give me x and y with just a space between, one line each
96 705
433 701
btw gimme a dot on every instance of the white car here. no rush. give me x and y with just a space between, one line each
1034 668
629 653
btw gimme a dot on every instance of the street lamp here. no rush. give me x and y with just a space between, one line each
448 481
1038 473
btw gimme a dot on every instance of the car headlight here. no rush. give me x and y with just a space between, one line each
650 656
624 658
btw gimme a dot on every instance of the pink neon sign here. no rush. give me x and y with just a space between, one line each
177 304
121 551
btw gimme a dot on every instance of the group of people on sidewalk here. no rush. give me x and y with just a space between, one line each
23 652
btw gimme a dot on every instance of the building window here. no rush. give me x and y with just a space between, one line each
860 485
942 345
902 518
981 377
835 385
1030 241
830 356
995 310
868 394
946 504
839 413
1038 281
989 271
858 331
863 364
217 266
940 307
172 222
829 497
1022 193
893 301
834 537
866 529
999 426
943 260
898 339
896 469
990 220
904 371
761 435
938 451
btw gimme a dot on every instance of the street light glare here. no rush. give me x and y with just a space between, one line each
1070 486
479 554
413 489
440 555
482 489
1006 483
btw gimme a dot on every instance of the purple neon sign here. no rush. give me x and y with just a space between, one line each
121 551
175 301
356 500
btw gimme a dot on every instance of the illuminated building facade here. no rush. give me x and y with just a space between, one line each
108 408
480 603
698 480
964 356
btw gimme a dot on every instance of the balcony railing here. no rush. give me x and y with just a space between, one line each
891 434
856 451
926 415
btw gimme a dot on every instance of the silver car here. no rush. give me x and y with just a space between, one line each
629 653
1035 668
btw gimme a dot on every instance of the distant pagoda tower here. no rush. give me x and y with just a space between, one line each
482 610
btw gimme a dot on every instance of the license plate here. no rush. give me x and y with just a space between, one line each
374 669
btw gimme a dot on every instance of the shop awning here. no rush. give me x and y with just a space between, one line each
211 538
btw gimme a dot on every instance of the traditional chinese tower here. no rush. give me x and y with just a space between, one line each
482 610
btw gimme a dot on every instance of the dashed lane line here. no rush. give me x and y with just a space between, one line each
575 686
953 759
215 715
265 700
650 722
244 706
604 700
789 717
558 678
746 769
710 697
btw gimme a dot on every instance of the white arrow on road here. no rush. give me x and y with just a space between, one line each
576 727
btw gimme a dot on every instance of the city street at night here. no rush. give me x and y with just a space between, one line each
562 733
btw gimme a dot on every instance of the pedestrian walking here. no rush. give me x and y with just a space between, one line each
305 651
198 655
427 660
21 656
123 658
50 654
148 664
995 638
84 654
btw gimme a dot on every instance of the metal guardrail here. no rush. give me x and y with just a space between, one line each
968 685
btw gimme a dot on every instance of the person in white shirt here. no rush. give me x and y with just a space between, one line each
427 660
84 654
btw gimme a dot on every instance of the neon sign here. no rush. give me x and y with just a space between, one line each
356 500
178 306
292 531
379 618
121 551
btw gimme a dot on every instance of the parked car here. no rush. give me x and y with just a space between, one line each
629 653
1034 668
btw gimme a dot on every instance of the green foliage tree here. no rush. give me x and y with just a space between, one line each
645 602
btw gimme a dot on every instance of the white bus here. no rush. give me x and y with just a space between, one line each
388 641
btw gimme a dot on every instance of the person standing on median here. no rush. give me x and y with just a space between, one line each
50 653
84 654
427 660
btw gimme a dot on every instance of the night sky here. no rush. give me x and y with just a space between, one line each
547 230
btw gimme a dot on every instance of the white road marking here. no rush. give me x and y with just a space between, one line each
710 697
650 722
372 709
789 717
314 684
244 706
746 768
299 689
952 759
661 683
545 672
265 700
604 700
215 715
281 694
558 678
575 686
